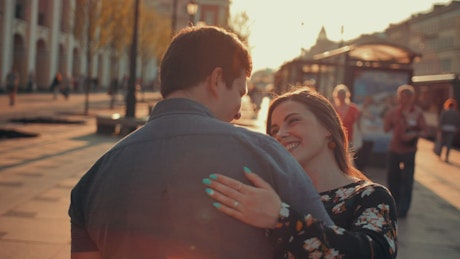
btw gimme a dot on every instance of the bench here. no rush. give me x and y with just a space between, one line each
116 125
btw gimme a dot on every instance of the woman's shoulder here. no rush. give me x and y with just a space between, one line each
373 189
369 184
360 187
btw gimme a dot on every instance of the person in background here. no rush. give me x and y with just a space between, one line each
65 86
351 117
407 123
349 113
364 212
448 126
12 81
256 94
144 199
31 83
56 84
113 92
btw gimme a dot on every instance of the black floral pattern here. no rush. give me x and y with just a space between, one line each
365 226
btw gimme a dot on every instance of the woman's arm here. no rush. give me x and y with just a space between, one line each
372 233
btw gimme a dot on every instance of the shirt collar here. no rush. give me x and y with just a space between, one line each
179 106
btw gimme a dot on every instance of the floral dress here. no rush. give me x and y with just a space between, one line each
365 226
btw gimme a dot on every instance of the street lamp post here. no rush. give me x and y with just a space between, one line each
173 18
89 7
192 8
131 95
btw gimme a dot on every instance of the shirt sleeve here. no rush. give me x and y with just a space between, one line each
80 238
81 241
372 232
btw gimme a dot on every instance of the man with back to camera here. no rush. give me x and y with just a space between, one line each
144 197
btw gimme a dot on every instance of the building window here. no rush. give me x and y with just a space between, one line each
43 6
41 19
19 11
446 42
209 14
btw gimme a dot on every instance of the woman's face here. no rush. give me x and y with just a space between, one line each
299 131
406 98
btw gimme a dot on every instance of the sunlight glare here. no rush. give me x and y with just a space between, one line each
280 29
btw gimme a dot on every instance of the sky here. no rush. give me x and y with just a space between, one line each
279 29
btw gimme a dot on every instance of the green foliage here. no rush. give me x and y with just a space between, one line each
111 26
239 24
116 25
154 34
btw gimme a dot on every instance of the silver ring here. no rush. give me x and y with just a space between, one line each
235 204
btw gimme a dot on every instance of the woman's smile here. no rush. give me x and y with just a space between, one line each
291 146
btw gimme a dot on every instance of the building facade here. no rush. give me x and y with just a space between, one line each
37 40
32 40
434 34
213 12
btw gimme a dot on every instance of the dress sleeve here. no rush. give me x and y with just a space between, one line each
371 232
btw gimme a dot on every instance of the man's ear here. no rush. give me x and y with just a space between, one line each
214 79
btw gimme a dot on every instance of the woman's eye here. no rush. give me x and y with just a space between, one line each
292 120
273 132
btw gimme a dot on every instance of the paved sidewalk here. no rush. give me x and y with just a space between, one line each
37 174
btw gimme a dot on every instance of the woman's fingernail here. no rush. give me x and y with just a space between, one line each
216 205
213 176
247 170
209 191
206 181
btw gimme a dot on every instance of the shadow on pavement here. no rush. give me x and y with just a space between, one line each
47 120
9 134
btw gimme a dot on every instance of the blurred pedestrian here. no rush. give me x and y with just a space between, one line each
80 84
144 198
350 116
55 84
348 112
407 123
31 83
256 94
139 90
65 86
448 126
12 82
113 91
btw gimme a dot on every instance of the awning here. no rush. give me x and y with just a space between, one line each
375 52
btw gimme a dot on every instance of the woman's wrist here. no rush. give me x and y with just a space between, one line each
284 211
283 214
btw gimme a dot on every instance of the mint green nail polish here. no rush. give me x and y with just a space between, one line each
216 205
213 176
206 181
209 191
247 170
